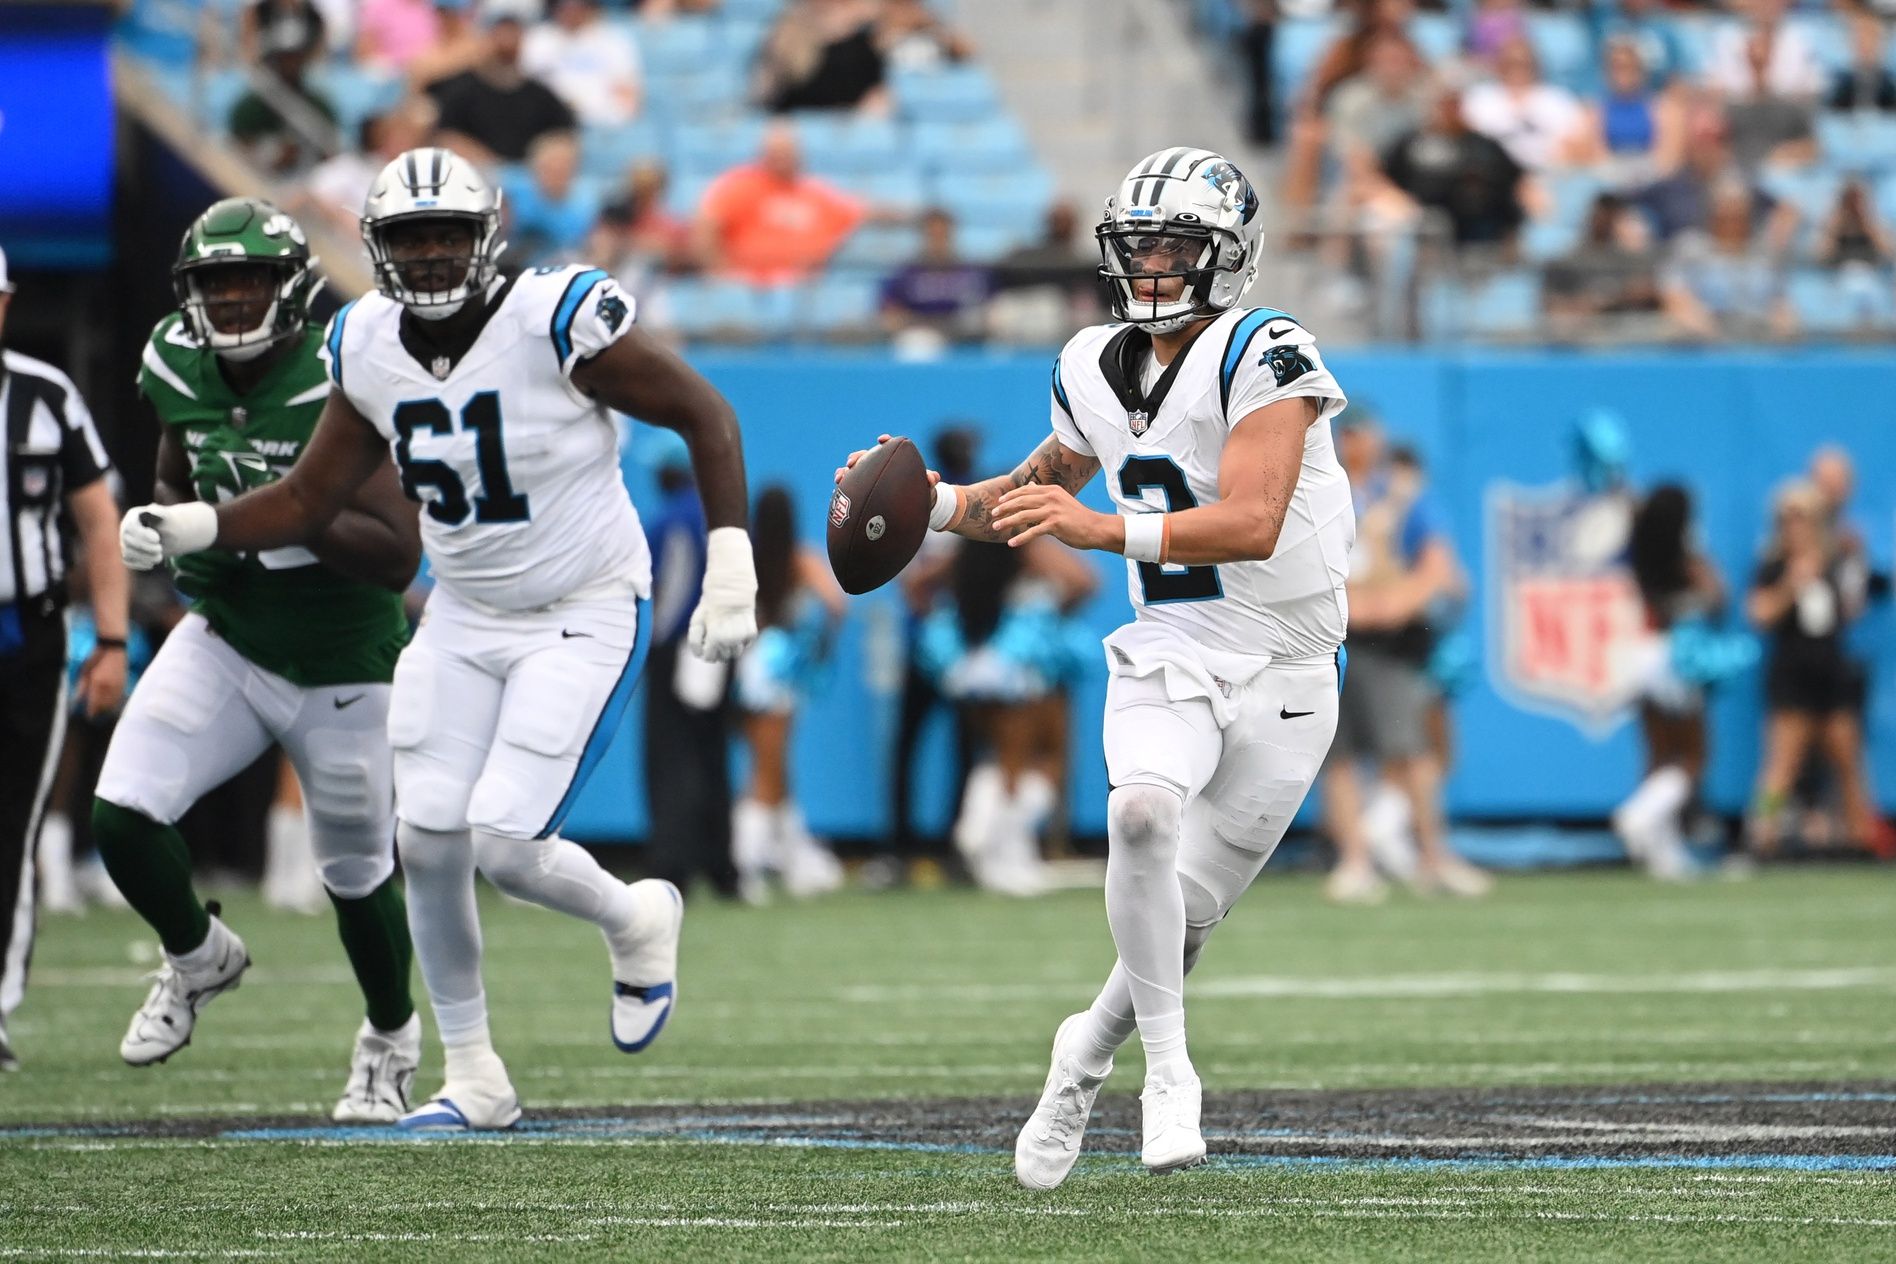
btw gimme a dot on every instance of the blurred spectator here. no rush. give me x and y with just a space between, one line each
391 34
1346 58
1769 127
278 144
1495 25
1650 28
494 112
1612 272
660 10
1682 201
1679 587
591 63
769 223
1631 134
552 209
1854 243
939 294
1388 98
799 608
1536 122
1803 597
1447 167
1049 287
686 748
1764 56
1402 565
822 55
460 44
1865 84
1256 42
339 186
281 26
913 37
1723 282
1060 249
636 236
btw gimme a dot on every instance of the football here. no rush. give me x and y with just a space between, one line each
878 516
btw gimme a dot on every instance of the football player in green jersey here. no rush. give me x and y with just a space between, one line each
294 646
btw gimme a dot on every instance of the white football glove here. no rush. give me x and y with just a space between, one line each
148 534
725 622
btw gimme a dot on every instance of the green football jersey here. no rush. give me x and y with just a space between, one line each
280 608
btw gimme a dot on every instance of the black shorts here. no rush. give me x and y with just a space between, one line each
1816 686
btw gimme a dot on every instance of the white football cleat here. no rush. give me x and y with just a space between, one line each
1172 1138
645 966
163 1024
465 1107
1355 884
381 1072
1049 1144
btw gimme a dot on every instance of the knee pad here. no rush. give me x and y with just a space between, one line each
353 877
347 779
514 865
426 850
1143 815
1202 907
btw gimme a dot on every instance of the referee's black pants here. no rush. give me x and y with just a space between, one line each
687 782
32 730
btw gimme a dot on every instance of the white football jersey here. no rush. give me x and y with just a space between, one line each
1159 451
517 470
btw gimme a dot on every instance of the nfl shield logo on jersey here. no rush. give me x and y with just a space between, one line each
1564 614
1137 420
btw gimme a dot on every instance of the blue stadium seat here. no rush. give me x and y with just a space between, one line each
606 152
715 90
678 46
840 144
1813 190
879 246
756 9
217 93
1298 46
740 36
1018 197
901 190
355 93
1565 49
1506 303
1858 141
1816 299
840 300
1546 239
986 242
957 93
989 144
1438 35
716 146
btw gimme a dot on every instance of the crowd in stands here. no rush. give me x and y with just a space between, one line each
1675 169
747 167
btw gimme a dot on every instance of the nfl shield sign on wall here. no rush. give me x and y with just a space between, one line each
1565 620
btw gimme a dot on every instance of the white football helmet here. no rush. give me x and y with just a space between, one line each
1186 213
432 183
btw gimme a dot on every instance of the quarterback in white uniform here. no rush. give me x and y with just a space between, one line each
494 397
1212 426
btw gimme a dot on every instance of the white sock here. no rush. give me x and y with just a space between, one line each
558 874
1387 825
58 890
1146 911
442 920
753 839
1653 809
205 954
981 805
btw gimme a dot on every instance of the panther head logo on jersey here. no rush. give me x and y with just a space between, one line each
612 312
1286 364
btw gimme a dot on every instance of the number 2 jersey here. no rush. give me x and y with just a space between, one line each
1159 436
517 470
281 608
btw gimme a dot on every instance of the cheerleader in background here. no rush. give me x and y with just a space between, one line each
1006 651
1681 592
798 608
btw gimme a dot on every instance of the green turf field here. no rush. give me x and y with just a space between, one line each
843 1079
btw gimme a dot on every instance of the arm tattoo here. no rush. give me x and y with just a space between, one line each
1051 464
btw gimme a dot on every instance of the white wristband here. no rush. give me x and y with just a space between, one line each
1145 536
191 527
947 501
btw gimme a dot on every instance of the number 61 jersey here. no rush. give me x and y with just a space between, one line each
517 470
1159 436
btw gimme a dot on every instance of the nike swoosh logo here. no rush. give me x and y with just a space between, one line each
1275 334
565 635
341 703
1292 715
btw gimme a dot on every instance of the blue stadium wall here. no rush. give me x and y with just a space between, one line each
1730 425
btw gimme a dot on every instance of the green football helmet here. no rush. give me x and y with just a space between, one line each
248 233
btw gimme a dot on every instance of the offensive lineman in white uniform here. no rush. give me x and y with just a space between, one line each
494 397
1212 424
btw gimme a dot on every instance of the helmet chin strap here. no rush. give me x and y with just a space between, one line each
437 311
243 352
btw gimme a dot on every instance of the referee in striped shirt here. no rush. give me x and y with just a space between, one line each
52 479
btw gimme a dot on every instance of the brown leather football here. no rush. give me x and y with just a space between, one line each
879 516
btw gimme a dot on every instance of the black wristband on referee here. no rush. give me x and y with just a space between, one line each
109 643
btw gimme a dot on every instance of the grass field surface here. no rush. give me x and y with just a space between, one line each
1583 1066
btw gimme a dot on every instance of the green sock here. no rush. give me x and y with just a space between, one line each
374 932
151 867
